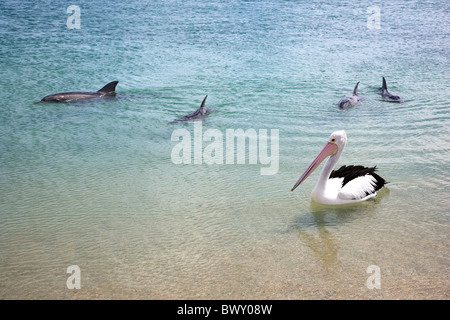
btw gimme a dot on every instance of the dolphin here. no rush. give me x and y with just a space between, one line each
199 113
108 90
389 96
350 101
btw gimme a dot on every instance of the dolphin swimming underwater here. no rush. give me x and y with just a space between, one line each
106 91
350 101
199 113
389 96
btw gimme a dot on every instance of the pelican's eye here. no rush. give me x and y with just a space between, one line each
333 140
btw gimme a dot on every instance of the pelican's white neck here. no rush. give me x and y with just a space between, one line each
325 173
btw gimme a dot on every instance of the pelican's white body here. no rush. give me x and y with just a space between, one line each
331 191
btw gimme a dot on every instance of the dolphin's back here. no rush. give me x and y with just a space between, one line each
200 112
69 96
193 114
389 96
107 90
350 101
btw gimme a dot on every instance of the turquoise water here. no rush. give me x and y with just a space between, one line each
93 183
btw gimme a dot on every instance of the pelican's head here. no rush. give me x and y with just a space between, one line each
335 144
339 138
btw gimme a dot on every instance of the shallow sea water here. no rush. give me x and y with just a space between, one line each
93 183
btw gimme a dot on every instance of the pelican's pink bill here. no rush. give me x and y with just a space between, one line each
330 149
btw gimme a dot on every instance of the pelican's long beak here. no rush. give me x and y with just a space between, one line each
330 149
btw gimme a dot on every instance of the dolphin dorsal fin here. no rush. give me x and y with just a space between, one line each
110 87
203 102
356 88
384 87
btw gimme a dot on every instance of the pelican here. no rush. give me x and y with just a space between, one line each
348 184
